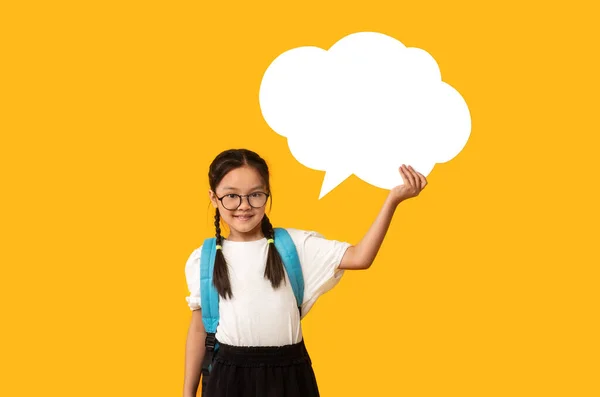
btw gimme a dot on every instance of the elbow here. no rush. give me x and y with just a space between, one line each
360 265
353 260
366 265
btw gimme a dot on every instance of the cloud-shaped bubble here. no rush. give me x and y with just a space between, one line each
364 107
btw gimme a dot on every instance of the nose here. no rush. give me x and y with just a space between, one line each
245 204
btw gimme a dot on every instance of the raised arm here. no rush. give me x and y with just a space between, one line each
362 255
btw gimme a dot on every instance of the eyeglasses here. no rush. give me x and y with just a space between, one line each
232 201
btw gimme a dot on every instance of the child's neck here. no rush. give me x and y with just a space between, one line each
249 236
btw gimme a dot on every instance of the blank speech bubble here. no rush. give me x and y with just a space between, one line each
364 107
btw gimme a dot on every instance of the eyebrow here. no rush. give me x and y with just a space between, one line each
234 188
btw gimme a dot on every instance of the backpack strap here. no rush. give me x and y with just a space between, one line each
289 256
208 293
209 299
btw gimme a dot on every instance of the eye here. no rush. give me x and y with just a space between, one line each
232 195
257 194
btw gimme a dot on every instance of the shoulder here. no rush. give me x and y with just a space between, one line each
197 252
300 236
192 269
193 259
310 243
312 239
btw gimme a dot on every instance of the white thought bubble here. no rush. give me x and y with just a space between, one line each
364 107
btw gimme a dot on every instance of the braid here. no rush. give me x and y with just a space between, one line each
218 227
221 272
267 228
274 271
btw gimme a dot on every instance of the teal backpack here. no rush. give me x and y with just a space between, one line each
210 297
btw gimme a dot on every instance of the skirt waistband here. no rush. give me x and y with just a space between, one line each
253 356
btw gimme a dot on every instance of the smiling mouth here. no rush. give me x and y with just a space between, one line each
243 217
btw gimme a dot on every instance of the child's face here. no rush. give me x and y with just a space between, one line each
245 221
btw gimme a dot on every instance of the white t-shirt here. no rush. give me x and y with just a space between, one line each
259 315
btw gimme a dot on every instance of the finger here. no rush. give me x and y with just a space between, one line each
417 179
403 175
409 176
423 180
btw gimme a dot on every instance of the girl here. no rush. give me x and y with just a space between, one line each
262 351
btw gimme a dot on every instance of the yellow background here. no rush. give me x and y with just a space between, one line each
486 285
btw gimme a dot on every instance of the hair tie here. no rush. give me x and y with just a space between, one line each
219 247
270 241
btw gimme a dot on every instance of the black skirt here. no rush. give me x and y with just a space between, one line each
282 371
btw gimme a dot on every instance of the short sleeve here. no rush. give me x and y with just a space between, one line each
320 259
192 275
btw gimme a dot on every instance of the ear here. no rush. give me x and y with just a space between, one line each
213 198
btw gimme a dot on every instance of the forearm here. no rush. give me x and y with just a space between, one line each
194 355
362 255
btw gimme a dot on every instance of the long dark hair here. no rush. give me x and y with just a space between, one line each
221 165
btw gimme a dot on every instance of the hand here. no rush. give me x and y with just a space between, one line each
414 183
